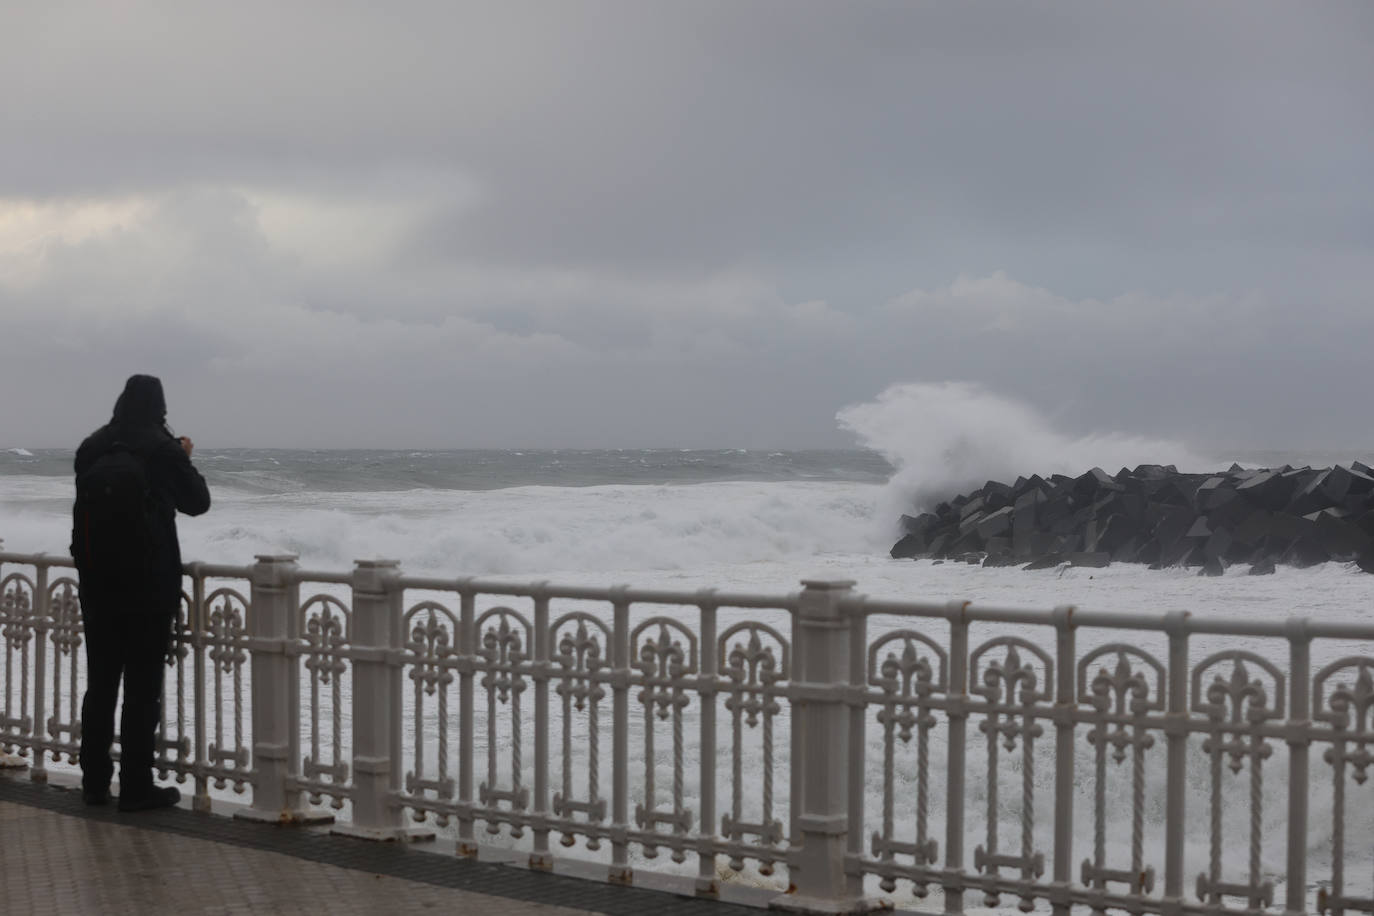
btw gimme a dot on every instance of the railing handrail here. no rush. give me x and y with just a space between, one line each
822 686
858 605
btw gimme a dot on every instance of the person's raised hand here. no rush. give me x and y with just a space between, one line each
187 445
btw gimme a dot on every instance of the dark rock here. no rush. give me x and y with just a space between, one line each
1199 529
1304 552
1048 561
1254 528
998 546
1094 481
1180 553
920 524
910 546
1264 567
995 523
966 543
1174 524
1149 552
1115 531
1268 490
1128 552
1218 545
1091 559
1341 539
1157 516
1215 566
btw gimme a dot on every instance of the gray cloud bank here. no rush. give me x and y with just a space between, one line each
588 224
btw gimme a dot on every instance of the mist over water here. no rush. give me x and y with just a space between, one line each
948 438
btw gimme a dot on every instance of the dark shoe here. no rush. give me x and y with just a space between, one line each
147 801
95 797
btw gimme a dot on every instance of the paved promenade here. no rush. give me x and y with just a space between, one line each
59 857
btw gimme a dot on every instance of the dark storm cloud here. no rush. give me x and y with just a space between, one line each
705 223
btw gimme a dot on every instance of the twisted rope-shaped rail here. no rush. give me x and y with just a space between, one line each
1216 817
1028 797
1138 808
678 855
1256 813
922 783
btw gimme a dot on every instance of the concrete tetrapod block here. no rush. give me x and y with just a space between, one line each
1254 528
1269 490
1128 552
995 523
1218 545
1215 566
910 546
920 524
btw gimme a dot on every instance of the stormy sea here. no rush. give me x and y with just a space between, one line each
738 519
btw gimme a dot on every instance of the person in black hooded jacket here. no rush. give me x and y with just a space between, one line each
128 623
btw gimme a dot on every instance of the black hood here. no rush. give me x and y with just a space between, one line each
142 403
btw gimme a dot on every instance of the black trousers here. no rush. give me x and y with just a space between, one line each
130 643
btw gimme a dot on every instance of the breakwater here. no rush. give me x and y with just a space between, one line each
1158 516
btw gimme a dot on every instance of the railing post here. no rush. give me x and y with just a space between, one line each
821 881
467 648
1063 761
708 884
1299 740
541 859
957 713
376 639
42 625
620 871
275 710
199 626
1176 732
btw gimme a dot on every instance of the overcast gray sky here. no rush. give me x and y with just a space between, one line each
412 224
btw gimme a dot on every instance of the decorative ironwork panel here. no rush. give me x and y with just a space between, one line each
1343 695
505 640
1127 685
755 661
18 624
905 670
580 644
174 737
431 649
1237 705
664 658
226 648
324 635
62 718
1012 686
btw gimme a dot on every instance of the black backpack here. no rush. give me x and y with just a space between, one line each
114 525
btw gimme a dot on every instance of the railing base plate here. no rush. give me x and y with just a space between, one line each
298 818
820 906
384 834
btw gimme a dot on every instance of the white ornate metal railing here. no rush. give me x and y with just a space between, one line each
822 732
